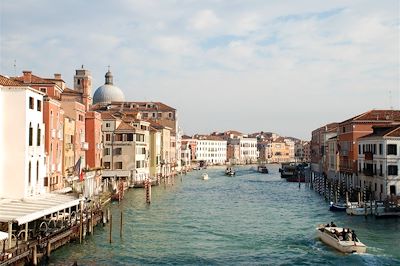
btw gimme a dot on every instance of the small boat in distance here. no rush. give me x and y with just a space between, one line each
230 171
204 176
337 206
262 169
342 239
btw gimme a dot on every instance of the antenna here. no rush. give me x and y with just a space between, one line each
15 67
390 100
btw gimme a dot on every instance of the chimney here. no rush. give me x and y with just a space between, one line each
27 76
57 76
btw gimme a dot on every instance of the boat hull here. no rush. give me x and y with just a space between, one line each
340 245
337 207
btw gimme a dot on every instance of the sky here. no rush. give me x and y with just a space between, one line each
287 67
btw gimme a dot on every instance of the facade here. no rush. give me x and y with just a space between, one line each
349 131
379 162
332 158
247 149
126 146
76 111
23 170
211 150
69 149
94 139
53 116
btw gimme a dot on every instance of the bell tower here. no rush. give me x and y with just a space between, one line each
83 85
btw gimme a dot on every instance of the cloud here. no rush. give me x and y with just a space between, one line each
204 20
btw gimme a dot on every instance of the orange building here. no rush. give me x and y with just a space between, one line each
94 139
350 131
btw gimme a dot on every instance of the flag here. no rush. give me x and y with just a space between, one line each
81 176
77 167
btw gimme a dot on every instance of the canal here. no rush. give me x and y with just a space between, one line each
250 218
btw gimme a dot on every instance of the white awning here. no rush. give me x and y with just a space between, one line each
3 236
33 208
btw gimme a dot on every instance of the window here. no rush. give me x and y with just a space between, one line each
30 135
392 190
38 136
108 137
43 90
118 137
392 169
29 173
108 124
78 81
37 171
107 151
107 165
391 149
39 105
140 137
138 164
80 117
380 148
118 165
118 151
129 137
31 103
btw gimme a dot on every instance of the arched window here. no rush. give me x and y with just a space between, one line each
29 172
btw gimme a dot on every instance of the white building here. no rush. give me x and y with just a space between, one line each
22 156
210 150
247 149
379 162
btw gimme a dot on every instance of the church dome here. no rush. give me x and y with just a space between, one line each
108 93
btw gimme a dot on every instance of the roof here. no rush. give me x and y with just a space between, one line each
107 116
376 115
35 80
383 131
125 126
33 208
4 81
143 106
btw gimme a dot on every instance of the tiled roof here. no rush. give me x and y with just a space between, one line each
35 80
376 115
107 116
4 81
144 106
394 133
125 126
70 91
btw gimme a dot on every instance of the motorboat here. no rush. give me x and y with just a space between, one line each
262 169
204 176
230 172
337 206
342 239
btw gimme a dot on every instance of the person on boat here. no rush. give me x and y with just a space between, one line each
333 224
354 236
349 236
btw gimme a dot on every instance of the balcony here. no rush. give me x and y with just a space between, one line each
84 146
368 172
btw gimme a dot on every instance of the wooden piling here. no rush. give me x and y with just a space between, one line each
120 227
110 228
35 260
81 223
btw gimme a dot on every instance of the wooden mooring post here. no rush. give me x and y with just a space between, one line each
120 227
110 228
147 187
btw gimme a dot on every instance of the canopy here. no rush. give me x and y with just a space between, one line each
3 236
33 208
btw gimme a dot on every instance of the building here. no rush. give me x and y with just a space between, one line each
53 117
379 162
126 146
349 131
210 149
23 160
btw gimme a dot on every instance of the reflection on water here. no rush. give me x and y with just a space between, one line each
250 218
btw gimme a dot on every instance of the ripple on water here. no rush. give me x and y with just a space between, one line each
249 219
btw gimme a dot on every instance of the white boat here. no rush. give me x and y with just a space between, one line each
358 209
342 239
204 176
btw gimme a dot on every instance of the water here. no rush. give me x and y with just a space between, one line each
251 218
